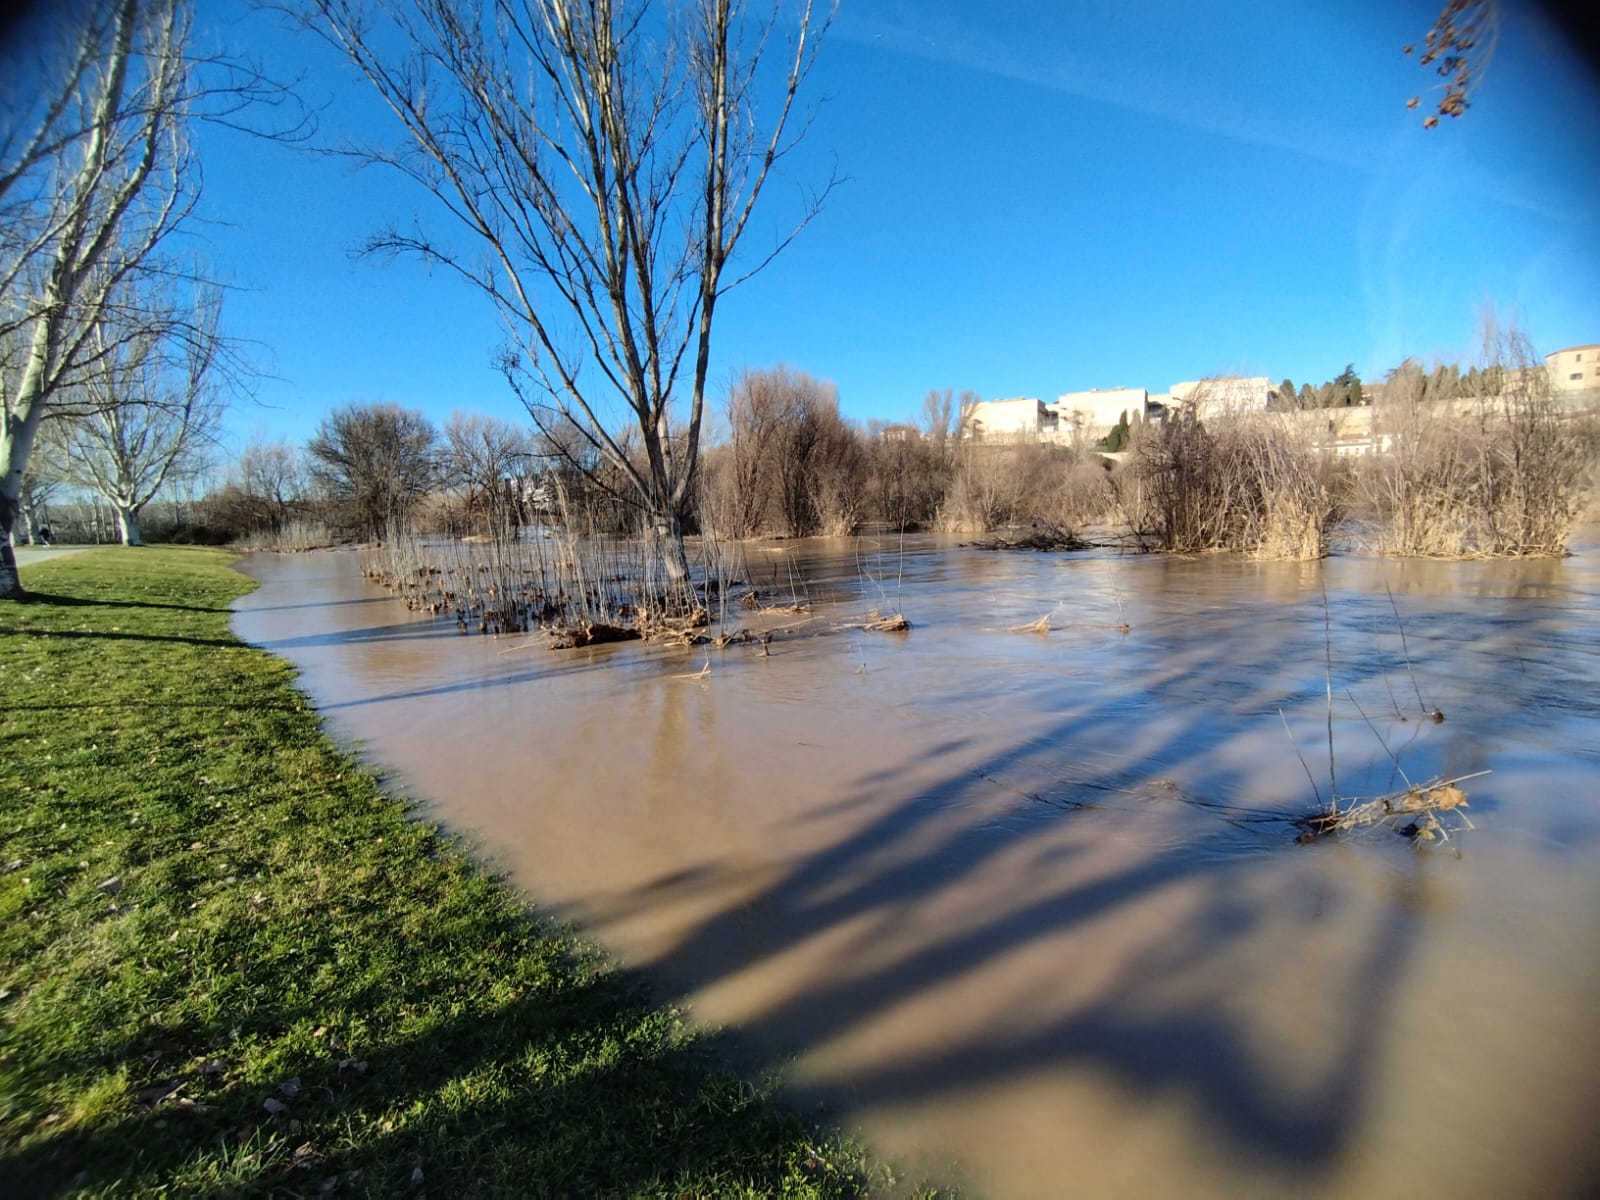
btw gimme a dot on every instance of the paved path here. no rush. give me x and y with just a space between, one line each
32 554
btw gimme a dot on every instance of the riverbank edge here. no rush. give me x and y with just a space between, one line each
233 962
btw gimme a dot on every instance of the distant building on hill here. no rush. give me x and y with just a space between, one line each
1228 394
1021 418
1575 369
1094 413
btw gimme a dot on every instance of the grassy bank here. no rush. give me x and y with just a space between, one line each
230 963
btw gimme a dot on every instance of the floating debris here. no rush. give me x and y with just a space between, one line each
878 623
1412 812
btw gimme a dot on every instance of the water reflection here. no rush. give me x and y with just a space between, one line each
1017 902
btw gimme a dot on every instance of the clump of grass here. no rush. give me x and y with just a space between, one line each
230 962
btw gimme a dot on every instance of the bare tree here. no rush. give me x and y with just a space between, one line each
38 490
742 489
374 462
488 459
906 481
148 409
605 157
793 466
264 489
273 475
90 188
96 179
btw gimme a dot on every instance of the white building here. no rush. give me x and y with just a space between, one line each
1227 394
1021 418
1095 412
1575 369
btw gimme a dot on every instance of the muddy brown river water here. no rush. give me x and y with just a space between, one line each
1022 907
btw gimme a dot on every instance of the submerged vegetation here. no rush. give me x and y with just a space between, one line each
232 963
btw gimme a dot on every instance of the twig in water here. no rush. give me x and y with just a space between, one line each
1405 650
1393 757
1327 660
1042 625
1314 791
1393 699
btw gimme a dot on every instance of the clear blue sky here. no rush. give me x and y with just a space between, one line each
1041 197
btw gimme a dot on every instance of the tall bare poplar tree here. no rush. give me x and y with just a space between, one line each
93 166
605 156
97 182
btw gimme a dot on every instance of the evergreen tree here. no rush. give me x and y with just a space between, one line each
1118 437
1286 394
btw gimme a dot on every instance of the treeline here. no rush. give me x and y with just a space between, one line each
1445 381
1498 470
1344 390
783 463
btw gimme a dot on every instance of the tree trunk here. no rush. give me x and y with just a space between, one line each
666 544
128 525
10 581
21 425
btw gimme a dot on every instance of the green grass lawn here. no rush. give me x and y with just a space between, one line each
230 963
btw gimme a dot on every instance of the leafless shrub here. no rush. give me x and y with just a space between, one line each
292 535
1085 495
996 482
792 465
1250 482
1503 471
907 475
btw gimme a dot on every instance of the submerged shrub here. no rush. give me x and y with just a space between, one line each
1503 471
1253 483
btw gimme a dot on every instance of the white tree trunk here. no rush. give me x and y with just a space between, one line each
666 536
17 433
128 525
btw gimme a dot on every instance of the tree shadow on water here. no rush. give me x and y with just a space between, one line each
979 899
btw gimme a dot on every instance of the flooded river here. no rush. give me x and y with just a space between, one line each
1023 907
